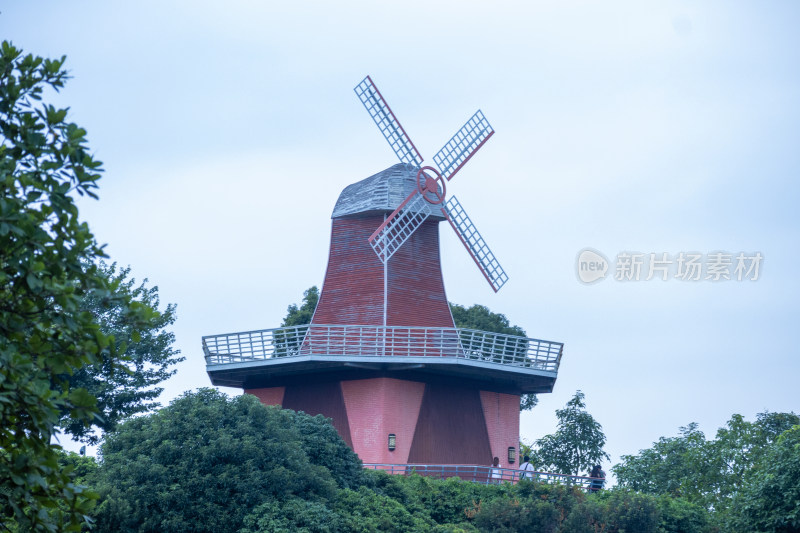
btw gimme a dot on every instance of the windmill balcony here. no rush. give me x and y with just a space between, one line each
270 357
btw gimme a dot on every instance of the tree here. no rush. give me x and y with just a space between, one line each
669 467
770 497
206 461
481 318
289 342
47 267
707 472
300 316
577 443
737 450
128 387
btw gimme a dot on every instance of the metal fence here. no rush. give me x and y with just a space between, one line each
382 341
483 474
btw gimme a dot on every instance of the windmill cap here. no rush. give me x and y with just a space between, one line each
381 193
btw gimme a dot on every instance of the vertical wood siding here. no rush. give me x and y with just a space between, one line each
352 292
353 289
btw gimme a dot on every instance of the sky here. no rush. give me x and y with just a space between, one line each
228 130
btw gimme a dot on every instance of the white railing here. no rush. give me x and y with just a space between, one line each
486 474
382 341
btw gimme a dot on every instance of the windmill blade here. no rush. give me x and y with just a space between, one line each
463 145
474 243
390 127
399 226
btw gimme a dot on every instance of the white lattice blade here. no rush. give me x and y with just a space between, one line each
474 243
390 127
463 145
399 226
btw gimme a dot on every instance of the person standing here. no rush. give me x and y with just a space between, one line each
598 479
526 467
497 473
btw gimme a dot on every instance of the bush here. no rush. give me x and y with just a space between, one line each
511 515
614 511
212 463
206 461
292 516
365 511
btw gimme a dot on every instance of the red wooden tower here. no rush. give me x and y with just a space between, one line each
382 356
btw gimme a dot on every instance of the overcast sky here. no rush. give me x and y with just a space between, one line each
228 129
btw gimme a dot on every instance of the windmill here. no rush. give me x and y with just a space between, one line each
431 185
382 356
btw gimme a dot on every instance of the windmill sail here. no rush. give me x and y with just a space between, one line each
463 145
415 209
390 127
474 243
399 226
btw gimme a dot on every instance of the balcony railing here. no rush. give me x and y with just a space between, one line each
382 341
486 474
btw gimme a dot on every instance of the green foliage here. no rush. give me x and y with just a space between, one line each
82 467
614 511
629 511
456 505
206 461
324 447
737 449
365 511
300 316
292 516
125 388
446 501
47 258
669 467
509 516
706 472
481 318
576 445
525 449
770 498
528 402
287 343
212 463
358 511
681 516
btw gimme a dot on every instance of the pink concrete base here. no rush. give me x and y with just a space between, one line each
377 407
268 396
501 412
380 406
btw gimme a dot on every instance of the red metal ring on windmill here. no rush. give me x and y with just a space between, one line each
431 188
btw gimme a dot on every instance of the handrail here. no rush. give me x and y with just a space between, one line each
382 341
487 475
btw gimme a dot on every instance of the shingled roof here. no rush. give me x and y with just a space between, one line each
380 193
